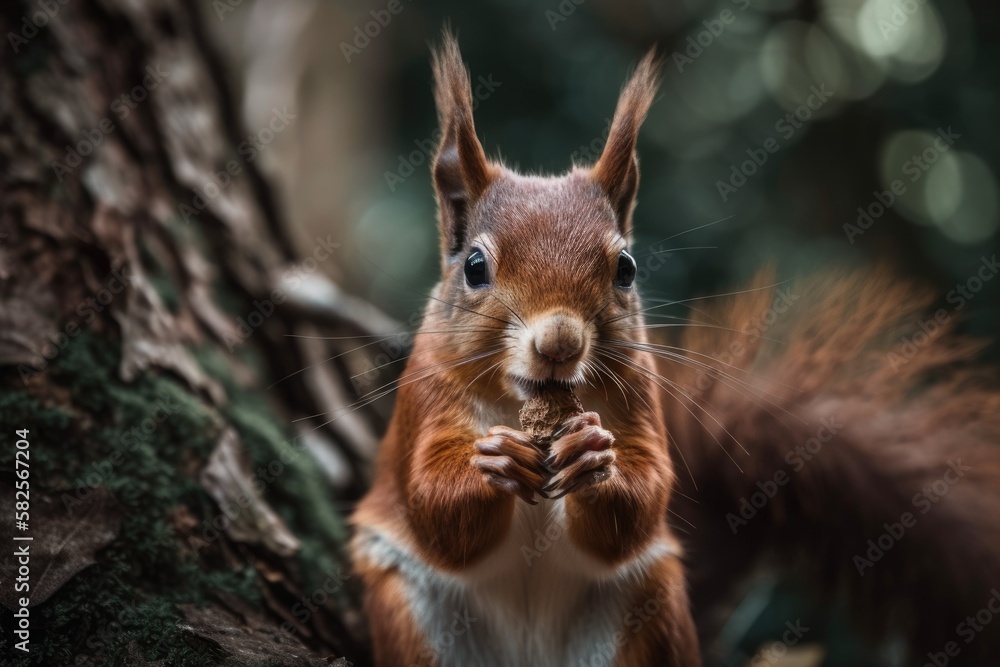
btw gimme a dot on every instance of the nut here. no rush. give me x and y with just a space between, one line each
544 413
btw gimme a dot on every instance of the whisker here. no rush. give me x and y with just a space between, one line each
734 383
360 404
506 392
405 357
680 352
694 229
328 359
360 347
494 368
512 311
687 497
681 529
694 527
613 376
671 325
600 310
690 247
590 370
654 349
663 252
657 377
704 313
431 296
700 298
410 332
399 382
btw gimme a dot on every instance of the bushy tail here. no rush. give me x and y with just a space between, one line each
840 427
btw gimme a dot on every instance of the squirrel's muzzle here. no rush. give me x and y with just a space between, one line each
559 338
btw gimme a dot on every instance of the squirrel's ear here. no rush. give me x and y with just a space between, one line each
461 170
617 170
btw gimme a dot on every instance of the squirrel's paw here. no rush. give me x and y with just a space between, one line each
508 460
581 457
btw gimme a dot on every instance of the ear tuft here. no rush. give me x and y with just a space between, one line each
461 171
617 170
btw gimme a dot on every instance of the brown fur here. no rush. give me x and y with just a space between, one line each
447 486
659 613
903 421
618 168
395 638
430 491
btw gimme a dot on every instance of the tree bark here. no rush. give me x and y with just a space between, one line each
188 480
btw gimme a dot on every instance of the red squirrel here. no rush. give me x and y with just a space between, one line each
536 273
476 546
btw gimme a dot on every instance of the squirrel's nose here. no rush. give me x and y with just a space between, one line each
559 338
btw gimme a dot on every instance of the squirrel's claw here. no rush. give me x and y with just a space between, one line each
510 462
591 467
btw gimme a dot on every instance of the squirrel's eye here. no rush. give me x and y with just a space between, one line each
625 274
475 269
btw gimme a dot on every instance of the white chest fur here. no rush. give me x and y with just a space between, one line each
535 601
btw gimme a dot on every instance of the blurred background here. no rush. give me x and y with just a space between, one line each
831 102
808 133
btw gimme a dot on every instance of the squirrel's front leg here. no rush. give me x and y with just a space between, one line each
463 488
616 487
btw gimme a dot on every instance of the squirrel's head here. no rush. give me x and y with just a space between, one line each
538 267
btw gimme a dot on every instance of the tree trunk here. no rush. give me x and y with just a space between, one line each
188 483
